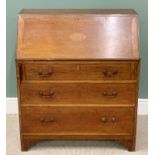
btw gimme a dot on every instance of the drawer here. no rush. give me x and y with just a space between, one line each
77 71
78 93
77 120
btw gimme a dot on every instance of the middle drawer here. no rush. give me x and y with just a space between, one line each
78 93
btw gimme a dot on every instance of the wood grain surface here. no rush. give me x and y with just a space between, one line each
74 36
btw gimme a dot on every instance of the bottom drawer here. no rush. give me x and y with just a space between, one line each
77 120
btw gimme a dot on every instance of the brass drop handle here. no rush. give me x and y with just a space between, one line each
41 73
46 95
107 73
113 119
112 94
104 119
47 120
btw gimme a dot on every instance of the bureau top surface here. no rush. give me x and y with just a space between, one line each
77 34
78 11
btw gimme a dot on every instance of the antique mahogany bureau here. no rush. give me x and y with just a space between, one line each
77 75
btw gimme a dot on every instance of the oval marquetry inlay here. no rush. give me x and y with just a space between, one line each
77 36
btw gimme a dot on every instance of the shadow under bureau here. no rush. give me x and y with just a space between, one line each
77 75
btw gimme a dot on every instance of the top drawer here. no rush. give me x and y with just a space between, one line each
77 71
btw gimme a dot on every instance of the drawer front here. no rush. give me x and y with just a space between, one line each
78 93
77 71
77 120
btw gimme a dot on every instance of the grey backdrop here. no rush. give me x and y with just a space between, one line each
14 6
